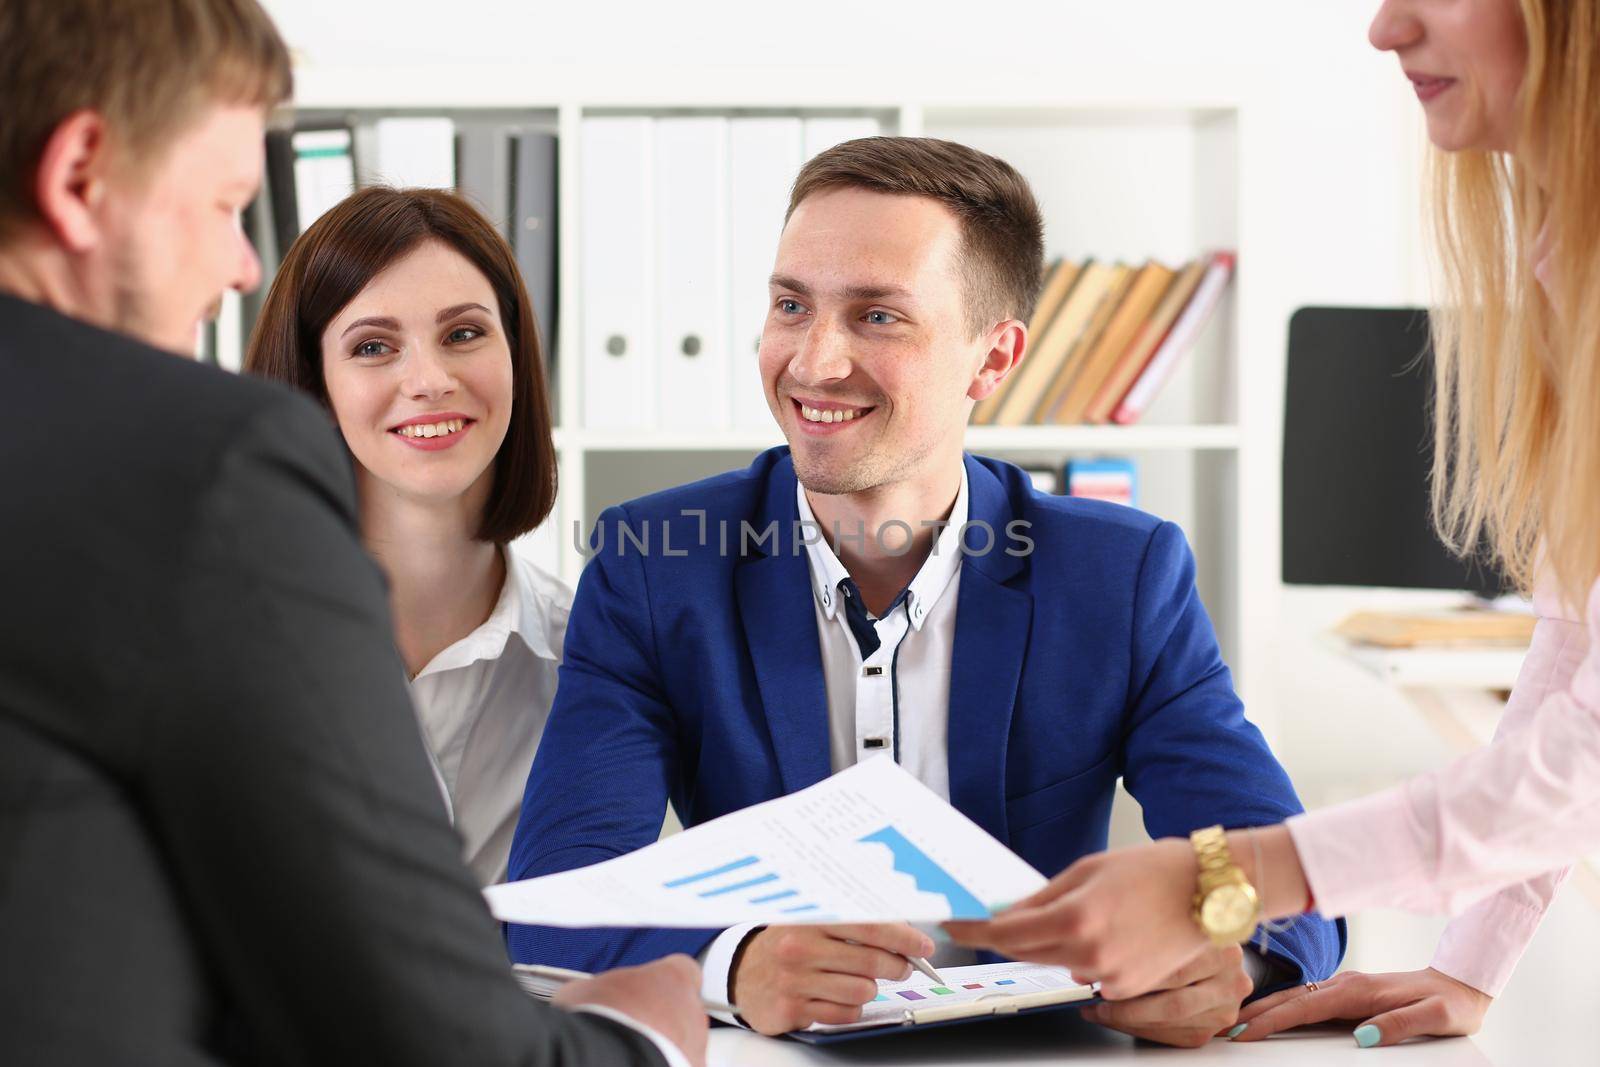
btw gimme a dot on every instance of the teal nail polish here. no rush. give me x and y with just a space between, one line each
1367 1036
1237 1030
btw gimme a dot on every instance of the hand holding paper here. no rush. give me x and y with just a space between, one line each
869 845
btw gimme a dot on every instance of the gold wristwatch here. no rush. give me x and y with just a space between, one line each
1225 904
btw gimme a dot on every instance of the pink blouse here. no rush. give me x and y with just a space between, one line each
1484 839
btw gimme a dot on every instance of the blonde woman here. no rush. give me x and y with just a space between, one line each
1511 91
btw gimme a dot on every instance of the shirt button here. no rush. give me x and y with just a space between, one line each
827 600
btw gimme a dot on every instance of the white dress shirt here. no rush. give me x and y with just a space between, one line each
483 703
895 699
669 1052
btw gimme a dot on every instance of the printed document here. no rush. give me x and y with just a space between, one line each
870 844
992 988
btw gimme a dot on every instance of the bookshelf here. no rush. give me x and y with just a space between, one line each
1157 173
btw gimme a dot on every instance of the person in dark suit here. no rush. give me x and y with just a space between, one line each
872 590
219 838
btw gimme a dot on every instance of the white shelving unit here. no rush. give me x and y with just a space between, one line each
1153 173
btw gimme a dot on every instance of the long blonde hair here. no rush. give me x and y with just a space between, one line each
1517 400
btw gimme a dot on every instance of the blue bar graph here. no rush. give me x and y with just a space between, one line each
735 887
802 907
770 897
724 869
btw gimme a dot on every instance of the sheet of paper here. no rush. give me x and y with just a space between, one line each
962 985
870 844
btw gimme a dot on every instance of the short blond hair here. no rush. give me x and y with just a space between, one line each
147 66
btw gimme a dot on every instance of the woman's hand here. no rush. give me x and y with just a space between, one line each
1121 918
1394 1007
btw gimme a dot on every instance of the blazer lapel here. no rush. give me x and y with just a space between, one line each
780 626
994 616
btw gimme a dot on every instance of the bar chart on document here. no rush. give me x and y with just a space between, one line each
870 844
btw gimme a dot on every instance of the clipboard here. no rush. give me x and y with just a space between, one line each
989 1003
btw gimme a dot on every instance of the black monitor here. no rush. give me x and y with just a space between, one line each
1357 450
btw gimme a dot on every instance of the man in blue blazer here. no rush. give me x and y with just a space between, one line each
871 589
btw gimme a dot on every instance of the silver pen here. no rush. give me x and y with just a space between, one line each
925 967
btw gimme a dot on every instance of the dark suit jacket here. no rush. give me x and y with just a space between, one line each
694 674
219 837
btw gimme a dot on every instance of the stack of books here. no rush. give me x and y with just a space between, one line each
1104 339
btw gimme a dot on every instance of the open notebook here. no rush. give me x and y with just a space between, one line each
969 993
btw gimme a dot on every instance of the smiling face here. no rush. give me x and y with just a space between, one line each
1466 59
418 371
866 356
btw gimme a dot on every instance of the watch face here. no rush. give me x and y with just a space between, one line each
1229 908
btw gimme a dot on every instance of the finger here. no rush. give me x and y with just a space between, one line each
847 989
1188 1036
861 960
1283 996
1063 883
1027 929
1192 1005
1144 1011
825 1011
1260 1007
890 937
1136 981
1210 962
980 933
1335 1002
1424 1018
967 932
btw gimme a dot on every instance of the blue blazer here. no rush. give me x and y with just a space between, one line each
693 674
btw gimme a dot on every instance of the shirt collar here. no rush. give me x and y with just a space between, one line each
519 612
925 589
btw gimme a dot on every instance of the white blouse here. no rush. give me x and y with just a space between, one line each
483 703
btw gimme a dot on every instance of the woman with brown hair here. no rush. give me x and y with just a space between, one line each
1511 91
402 311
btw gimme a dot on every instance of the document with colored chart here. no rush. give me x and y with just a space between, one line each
870 844
967 994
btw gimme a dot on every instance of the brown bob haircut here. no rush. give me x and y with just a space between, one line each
350 245
1002 228
148 67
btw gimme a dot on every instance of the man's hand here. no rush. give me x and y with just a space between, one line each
788 977
1398 1006
1189 1008
664 995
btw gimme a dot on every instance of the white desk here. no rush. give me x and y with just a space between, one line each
1441 668
1064 1038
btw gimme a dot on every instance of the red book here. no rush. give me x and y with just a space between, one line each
1178 340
